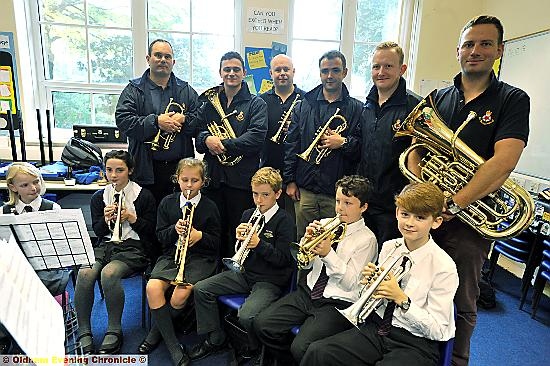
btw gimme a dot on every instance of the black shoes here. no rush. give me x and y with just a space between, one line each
111 349
88 349
205 349
184 361
145 347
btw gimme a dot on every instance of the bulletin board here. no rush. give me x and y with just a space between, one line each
9 98
256 62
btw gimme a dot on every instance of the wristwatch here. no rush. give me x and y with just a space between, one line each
452 207
405 305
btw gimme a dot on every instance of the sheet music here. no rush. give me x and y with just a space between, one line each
51 239
29 312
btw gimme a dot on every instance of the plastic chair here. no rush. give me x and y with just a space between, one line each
517 249
543 276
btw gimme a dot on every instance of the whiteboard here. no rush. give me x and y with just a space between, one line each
524 64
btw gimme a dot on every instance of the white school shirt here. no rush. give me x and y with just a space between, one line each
344 266
131 193
35 204
431 286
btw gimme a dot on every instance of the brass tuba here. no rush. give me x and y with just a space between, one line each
223 131
334 229
167 137
450 164
398 265
256 222
313 149
280 136
183 242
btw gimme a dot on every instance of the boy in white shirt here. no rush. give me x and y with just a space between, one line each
423 313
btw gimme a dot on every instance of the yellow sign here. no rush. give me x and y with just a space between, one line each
266 85
7 95
256 59
496 66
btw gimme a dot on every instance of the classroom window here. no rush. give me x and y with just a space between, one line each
323 25
89 49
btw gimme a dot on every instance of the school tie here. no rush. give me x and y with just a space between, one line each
322 281
385 326
28 208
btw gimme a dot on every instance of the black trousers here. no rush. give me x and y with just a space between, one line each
317 319
231 203
366 347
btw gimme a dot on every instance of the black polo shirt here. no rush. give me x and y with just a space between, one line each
272 153
502 112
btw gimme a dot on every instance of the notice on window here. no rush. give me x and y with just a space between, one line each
262 20
266 85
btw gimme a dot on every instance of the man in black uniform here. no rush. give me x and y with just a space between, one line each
281 101
157 102
230 182
311 183
498 133
388 101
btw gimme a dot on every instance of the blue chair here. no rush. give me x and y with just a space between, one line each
543 277
517 249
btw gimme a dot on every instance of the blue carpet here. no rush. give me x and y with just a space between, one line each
503 336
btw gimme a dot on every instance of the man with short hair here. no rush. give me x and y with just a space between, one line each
157 104
388 101
498 133
311 183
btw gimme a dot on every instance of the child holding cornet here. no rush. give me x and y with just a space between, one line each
413 316
123 218
188 227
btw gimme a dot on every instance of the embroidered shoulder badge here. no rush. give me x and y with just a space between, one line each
240 117
487 118
396 125
268 234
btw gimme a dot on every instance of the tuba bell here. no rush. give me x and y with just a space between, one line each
167 137
450 164
398 265
256 225
334 229
116 227
183 242
223 131
321 153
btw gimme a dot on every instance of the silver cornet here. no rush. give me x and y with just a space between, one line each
116 227
334 229
183 242
399 266
256 224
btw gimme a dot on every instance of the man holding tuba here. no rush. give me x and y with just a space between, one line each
321 142
155 111
498 133
232 124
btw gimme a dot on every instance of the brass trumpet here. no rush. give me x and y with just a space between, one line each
334 229
116 227
223 131
168 137
280 136
183 242
399 266
320 154
256 225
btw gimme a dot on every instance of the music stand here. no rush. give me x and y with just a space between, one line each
50 240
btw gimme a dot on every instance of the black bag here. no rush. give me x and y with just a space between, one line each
79 153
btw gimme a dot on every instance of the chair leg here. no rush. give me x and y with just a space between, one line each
524 292
143 299
537 294
493 263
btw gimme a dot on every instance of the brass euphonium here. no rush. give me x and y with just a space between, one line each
168 137
321 153
183 242
398 265
450 164
280 136
334 229
116 227
223 131
256 224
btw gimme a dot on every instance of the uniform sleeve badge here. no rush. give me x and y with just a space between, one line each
396 125
240 116
487 118
268 234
